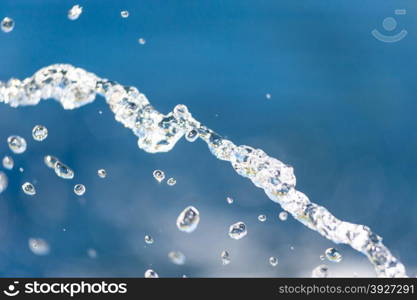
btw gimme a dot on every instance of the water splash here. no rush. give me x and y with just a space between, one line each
156 132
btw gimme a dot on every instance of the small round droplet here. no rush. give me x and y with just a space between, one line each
102 173
79 189
268 96
92 253
188 219
7 24
38 246
151 274
141 41
191 135
17 144
159 175
238 230
39 133
262 218
124 14
63 171
75 12
21 170
333 255
321 271
273 261
177 257
29 189
3 181
225 256
149 239
229 200
50 161
283 216
8 162
171 181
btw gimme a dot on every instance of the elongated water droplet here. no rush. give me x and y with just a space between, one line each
171 181
225 256
29 189
3 181
75 12
229 200
148 239
38 246
8 162
151 274
283 216
273 261
17 144
50 161
79 189
191 135
321 271
238 230
333 255
124 14
177 257
262 218
102 173
188 219
63 171
159 175
39 133
7 24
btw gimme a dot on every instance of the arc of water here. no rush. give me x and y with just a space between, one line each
156 132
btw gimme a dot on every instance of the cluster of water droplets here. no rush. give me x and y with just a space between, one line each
157 132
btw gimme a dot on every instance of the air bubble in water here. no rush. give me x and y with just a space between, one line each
148 239
8 162
102 173
177 257
283 216
151 274
273 261
50 161
75 12
333 255
191 135
29 189
141 41
321 271
7 24
124 13
262 218
229 200
159 175
3 181
225 256
188 219
238 230
171 181
63 171
17 144
38 246
39 133
79 189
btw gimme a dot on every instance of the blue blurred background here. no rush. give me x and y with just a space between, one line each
342 112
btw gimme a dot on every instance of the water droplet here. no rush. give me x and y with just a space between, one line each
38 246
238 230
262 218
92 253
159 175
188 219
29 189
17 144
321 271
21 170
142 41
177 257
191 135
63 171
148 239
100 112
50 161
79 189
75 12
102 173
333 255
124 13
171 181
39 133
8 162
273 261
3 181
322 257
229 200
151 274
7 24
225 256
283 216
268 96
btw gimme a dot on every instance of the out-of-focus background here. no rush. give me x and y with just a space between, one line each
342 111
